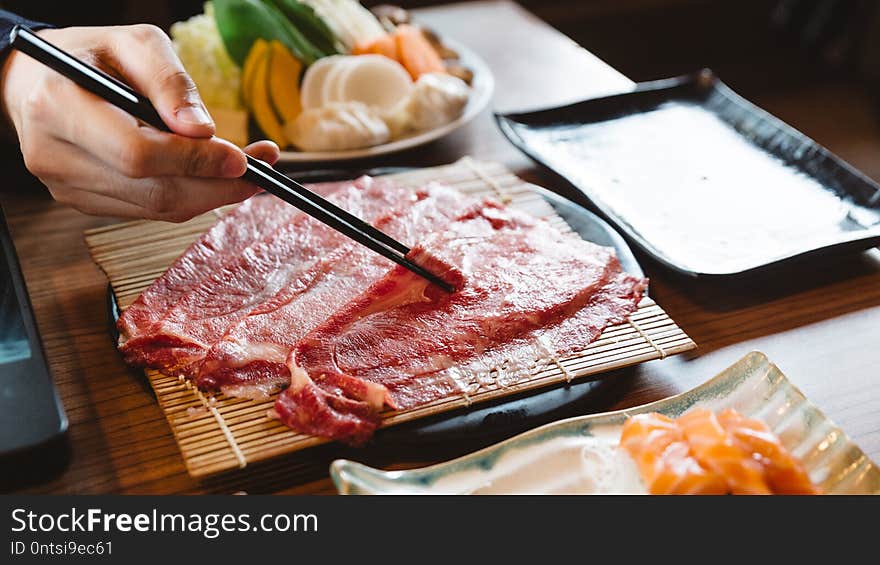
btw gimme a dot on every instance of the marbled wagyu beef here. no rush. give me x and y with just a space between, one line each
270 298
528 291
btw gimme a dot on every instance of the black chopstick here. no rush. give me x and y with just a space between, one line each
258 172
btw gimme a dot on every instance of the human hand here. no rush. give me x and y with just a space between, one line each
101 160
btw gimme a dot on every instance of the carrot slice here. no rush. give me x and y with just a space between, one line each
385 45
416 53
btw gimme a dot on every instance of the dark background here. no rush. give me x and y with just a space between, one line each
814 63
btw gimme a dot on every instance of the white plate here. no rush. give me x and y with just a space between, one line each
481 92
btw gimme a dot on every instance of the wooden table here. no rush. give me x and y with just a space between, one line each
820 324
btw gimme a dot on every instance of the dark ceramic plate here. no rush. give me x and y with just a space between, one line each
701 179
492 421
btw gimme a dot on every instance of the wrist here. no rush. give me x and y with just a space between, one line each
7 89
14 85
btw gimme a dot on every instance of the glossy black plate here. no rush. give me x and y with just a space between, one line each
493 420
701 179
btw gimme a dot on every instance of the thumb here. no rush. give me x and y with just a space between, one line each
146 58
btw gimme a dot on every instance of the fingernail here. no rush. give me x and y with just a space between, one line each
232 166
196 115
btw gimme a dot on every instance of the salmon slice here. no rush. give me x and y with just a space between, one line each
782 471
715 449
705 453
663 456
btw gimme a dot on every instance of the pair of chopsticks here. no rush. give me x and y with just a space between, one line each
258 172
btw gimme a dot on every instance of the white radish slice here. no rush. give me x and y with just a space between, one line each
331 90
312 95
374 80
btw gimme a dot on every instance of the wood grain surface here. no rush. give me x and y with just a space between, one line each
820 322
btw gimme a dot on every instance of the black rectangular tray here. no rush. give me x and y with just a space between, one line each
712 185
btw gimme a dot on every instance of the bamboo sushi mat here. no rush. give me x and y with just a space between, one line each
217 433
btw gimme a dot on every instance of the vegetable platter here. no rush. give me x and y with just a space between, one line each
328 79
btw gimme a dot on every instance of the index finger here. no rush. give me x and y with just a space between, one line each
137 151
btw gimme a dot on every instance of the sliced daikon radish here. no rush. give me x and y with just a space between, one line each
374 80
435 100
337 127
314 79
332 88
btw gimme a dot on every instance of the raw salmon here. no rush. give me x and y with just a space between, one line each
706 453
715 449
663 456
782 471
